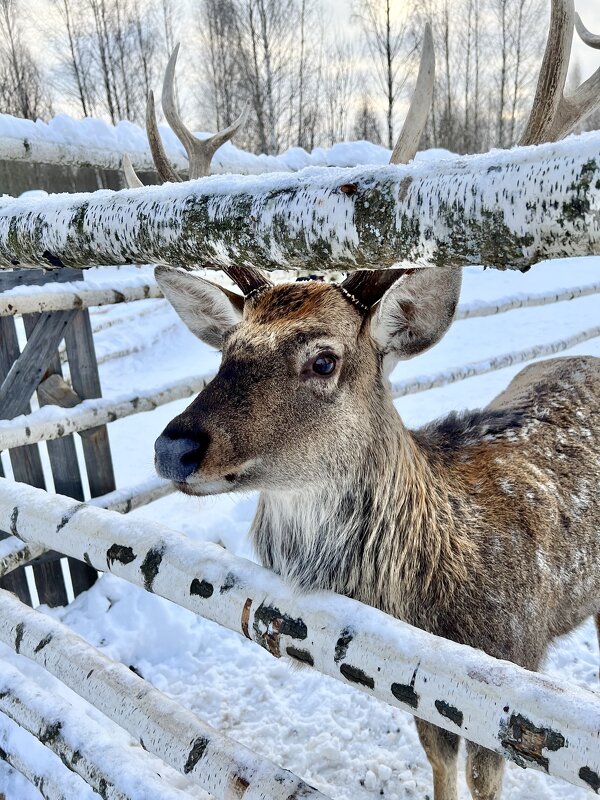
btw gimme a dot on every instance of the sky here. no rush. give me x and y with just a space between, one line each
337 12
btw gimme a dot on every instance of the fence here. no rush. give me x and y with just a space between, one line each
529 719
365 217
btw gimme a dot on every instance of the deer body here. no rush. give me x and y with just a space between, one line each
481 527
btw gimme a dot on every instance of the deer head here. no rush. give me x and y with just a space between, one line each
302 385
302 389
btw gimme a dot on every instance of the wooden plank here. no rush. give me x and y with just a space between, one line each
85 380
25 461
28 369
37 277
67 480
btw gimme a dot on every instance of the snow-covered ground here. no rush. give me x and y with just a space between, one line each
336 738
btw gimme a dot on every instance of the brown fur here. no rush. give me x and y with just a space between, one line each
482 528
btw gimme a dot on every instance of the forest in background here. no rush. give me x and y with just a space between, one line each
310 82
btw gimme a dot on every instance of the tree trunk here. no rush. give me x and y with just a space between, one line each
490 210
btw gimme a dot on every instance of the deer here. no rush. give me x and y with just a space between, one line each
482 527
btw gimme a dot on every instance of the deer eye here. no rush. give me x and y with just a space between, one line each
324 364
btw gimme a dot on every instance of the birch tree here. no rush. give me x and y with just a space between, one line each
22 90
385 37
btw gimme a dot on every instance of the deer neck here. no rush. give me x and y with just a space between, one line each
383 532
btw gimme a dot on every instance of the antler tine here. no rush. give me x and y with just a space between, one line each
199 151
553 115
591 39
248 279
414 124
165 171
131 179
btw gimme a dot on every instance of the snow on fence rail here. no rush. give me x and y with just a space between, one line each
15 303
528 718
163 727
84 746
488 209
53 422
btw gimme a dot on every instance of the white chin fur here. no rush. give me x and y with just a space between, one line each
219 486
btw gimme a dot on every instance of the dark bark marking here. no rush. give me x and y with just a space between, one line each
52 259
69 515
356 675
201 588
452 713
87 559
270 624
199 746
120 553
349 188
40 646
239 786
19 631
151 564
341 646
405 692
590 777
300 655
525 741
13 520
51 733
229 583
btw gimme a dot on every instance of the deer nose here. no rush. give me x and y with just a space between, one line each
176 458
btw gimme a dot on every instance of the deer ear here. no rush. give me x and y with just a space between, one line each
415 313
208 310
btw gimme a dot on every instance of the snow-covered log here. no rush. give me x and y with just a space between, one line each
530 719
84 746
504 209
448 376
14 553
218 764
14 303
39 765
132 497
488 308
52 422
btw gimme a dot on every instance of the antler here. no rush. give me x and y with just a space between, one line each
553 114
199 151
414 124
365 287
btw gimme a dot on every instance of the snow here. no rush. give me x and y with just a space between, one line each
67 140
349 745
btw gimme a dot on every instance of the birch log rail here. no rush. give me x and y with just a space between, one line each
532 720
506 209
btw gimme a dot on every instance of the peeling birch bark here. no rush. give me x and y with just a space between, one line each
163 727
528 718
506 209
